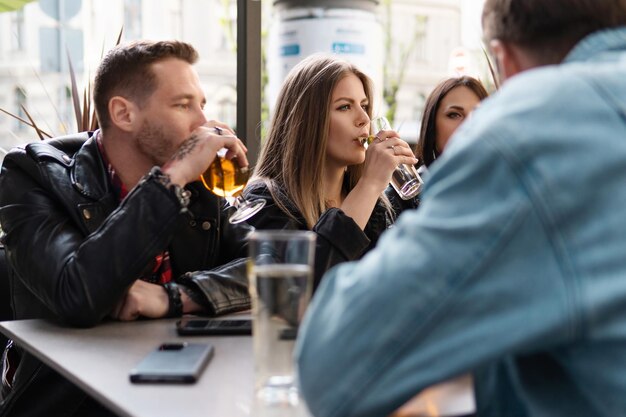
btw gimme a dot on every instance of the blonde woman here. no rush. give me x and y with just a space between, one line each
315 172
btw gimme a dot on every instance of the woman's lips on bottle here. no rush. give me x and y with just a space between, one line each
366 139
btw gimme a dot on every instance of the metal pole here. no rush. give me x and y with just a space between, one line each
249 75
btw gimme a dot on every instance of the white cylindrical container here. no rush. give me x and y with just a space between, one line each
348 28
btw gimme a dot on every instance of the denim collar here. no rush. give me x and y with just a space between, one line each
597 43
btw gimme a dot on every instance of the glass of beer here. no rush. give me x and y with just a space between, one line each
280 273
227 179
405 179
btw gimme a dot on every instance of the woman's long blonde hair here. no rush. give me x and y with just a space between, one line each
292 159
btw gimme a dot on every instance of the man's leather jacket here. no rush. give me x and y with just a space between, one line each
75 249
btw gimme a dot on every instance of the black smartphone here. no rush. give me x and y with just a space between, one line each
196 326
173 363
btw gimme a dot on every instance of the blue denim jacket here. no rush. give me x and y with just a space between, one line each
513 268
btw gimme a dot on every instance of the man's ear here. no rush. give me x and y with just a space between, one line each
124 113
508 59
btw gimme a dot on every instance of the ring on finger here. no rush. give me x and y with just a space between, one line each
218 130
393 149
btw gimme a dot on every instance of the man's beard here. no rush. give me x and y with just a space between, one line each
153 143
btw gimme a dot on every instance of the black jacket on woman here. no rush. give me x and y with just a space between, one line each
339 238
74 251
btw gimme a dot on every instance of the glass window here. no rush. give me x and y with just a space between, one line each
227 109
228 25
132 19
17 30
87 29
19 98
419 47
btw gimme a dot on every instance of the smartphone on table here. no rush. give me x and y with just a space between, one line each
173 363
189 326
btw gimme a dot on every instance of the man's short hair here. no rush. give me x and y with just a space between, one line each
549 29
126 71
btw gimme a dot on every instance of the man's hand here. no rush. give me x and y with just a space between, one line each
142 299
196 153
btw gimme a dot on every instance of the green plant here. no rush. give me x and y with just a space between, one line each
12 5
393 74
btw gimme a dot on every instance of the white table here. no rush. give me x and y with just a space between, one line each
98 360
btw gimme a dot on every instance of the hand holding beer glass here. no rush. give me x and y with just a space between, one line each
405 179
225 178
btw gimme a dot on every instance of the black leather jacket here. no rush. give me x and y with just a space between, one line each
339 238
75 249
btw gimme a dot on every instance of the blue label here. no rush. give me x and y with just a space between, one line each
348 48
290 50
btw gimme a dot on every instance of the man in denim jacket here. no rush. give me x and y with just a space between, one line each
514 266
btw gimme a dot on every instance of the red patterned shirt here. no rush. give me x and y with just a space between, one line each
161 270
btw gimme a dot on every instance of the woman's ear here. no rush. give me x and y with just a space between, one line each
123 113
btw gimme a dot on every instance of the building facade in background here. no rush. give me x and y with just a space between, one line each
417 40
421 37
35 43
405 46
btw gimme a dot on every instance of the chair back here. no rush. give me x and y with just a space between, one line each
6 312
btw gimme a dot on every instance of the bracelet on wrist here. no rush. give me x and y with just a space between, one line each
182 195
175 308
